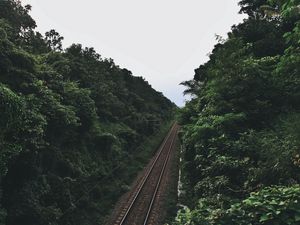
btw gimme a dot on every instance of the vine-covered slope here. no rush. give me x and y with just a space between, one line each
241 130
71 126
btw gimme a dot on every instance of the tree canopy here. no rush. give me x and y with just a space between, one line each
70 120
241 129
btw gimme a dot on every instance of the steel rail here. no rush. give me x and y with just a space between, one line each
159 182
147 176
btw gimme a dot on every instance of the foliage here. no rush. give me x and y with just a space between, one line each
271 205
70 122
241 129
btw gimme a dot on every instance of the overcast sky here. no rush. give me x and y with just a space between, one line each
161 40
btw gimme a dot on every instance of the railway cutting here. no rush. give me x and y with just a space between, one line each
143 205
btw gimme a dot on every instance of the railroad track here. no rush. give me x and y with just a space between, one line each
140 204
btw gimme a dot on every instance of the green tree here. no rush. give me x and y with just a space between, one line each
53 40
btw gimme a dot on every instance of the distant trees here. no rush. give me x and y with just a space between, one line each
253 7
53 40
17 15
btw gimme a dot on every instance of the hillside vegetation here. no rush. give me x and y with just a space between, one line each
241 130
72 126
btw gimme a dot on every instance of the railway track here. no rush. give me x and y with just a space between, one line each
139 206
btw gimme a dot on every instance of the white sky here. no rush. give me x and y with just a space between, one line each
161 40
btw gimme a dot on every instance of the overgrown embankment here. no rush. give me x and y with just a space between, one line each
241 130
71 124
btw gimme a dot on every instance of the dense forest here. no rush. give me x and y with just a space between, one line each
241 129
70 121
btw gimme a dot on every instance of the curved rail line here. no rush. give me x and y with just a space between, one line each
172 133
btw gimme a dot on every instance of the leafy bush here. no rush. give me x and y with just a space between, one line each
272 205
